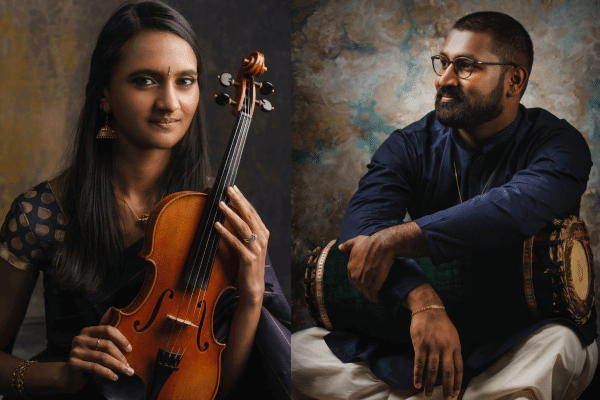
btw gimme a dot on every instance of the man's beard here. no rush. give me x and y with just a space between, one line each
462 114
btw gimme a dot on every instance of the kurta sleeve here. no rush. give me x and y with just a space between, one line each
549 185
380 202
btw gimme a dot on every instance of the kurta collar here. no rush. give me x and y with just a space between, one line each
499 138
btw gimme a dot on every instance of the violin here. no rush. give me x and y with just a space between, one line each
170 322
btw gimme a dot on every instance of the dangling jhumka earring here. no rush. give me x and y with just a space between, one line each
106 132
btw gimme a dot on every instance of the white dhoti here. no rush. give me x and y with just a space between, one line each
549 364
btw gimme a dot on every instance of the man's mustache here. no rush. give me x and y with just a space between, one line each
450 91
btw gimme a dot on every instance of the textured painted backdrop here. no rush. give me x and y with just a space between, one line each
362 69
45 48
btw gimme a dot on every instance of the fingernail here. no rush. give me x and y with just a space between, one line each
129 370
115 377
129 348
236 188
418 385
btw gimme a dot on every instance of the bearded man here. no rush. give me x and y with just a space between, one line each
477 177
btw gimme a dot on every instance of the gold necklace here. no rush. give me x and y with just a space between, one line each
143 218
458 186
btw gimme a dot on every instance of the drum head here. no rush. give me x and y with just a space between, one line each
566 264
579 269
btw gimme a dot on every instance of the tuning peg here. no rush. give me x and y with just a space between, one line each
223 99
227 80
265 105
265 88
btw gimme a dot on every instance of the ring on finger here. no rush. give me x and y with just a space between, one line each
251 238
97 343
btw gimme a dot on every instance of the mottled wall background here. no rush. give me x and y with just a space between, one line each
45 48
362 69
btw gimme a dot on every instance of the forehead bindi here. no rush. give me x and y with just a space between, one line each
468 44
156 51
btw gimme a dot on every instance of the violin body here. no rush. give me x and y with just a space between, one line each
149 320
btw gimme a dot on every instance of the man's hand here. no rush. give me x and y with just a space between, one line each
370 261
435 341
371 257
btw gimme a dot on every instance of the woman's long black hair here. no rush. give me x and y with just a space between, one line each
93 242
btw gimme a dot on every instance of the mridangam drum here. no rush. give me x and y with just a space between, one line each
558 279
558 271
334 303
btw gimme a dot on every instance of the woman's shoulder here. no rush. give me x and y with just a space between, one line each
41 202
32 228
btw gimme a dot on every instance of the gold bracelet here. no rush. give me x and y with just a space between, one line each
427 308
18 378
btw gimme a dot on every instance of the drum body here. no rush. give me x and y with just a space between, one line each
556 270
334 303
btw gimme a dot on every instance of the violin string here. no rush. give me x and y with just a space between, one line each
205 234
230 178
228 181
213 239
201 235
211 217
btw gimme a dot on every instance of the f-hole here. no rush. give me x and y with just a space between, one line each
201 305
154 313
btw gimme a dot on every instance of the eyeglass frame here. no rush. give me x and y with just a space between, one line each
437 56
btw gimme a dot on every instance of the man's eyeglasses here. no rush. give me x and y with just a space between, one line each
463 66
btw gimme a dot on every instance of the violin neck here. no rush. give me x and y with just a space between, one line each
231 160
203 252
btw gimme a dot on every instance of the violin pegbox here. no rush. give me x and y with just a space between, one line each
245 93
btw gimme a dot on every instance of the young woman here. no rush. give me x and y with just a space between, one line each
139 138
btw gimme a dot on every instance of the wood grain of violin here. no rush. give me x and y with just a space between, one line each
170 322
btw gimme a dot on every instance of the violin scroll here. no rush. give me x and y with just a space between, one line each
254 65
245 95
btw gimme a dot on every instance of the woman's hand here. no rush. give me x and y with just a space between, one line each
97 350
252 253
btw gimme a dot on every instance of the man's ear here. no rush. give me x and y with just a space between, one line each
518 79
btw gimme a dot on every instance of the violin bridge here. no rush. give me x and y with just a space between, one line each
180 321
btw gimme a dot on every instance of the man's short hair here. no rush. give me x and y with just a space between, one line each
510 41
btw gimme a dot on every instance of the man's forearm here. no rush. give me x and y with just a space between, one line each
371 257
406 240
420 297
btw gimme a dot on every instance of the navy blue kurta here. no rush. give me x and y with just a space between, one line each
537 169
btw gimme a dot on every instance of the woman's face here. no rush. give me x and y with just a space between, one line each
153 93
